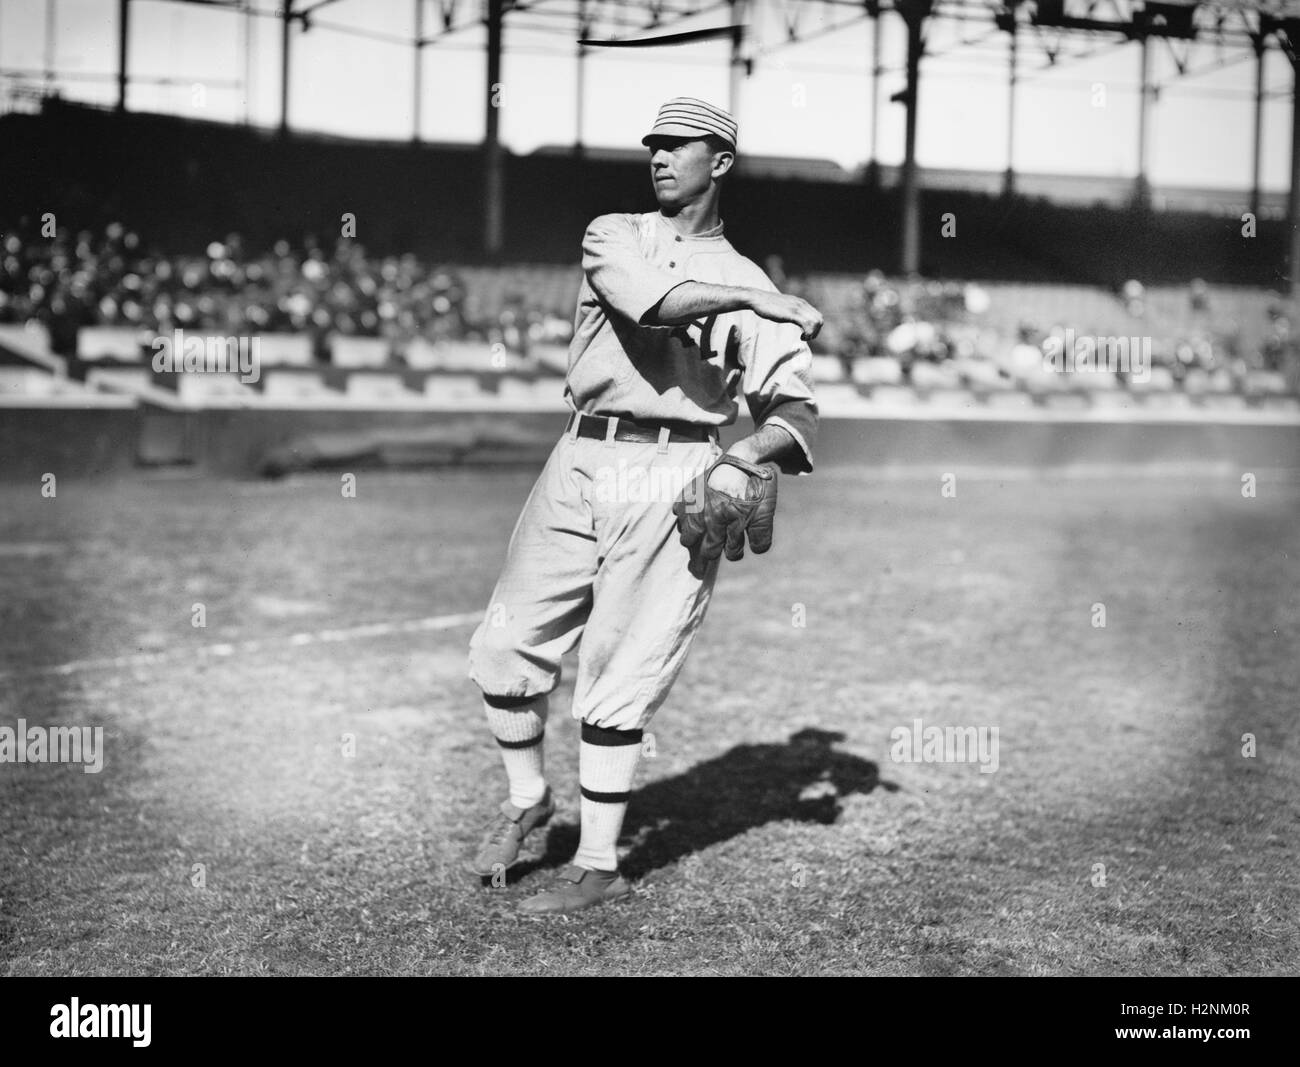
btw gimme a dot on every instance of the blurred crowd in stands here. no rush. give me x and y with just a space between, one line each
932 322
112 279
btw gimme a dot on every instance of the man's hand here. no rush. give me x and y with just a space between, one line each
730 480
711 520
781 307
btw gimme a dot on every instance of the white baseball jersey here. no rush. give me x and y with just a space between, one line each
690 373
595 556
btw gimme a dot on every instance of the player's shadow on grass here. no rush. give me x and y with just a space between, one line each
802 780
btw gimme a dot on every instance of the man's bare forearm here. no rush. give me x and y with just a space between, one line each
774 444
691 300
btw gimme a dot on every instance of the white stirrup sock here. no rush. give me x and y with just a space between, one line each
520 731
606 765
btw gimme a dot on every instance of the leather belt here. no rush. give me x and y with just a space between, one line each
639 431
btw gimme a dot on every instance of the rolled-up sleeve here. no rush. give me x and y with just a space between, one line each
778 385
618 272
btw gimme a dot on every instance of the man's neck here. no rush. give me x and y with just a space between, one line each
695 218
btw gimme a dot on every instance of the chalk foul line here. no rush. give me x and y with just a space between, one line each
225 650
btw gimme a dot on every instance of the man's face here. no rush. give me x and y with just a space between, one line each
681 169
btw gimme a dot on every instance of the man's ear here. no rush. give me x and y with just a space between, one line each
723 161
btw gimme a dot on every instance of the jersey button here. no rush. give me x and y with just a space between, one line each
673 264
679 237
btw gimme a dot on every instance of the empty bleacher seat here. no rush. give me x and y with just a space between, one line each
291 385
839 398
1289 404
951 398
1101 381
549 392
347 351
1116 399
284 349
1043 381
1161 380
468 355
366 385
515 390
877 370
1013 400
29 337
26 381
1066 401
201 388
453 388
827 369
1173 400
1221 382
893 396
421 354
543 393
935 376
1266 383
1223 402
109 342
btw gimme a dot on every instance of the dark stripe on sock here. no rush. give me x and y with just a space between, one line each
603 735
507 702
605 798
526 743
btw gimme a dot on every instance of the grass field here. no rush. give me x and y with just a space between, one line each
771 833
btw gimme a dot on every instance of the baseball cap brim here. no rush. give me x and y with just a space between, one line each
677 129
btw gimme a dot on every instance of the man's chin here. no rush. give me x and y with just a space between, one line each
666 197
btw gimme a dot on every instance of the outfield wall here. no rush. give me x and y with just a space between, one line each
123 440
80 442
1068 441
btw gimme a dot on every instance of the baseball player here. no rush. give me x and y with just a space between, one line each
618 544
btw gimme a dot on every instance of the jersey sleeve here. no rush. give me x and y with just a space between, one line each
618 272
776 379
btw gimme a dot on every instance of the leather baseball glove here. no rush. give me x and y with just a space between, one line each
709 520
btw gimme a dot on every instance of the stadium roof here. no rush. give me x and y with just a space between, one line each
1054 32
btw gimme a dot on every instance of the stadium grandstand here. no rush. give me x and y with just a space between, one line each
459 294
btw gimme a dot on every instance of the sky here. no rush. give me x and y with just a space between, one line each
809 99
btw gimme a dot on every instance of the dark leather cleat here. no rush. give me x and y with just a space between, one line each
502 839
575 889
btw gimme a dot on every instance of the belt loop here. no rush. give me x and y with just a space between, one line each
664 434
575 424
611 428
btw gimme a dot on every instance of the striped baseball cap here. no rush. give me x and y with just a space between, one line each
685 116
